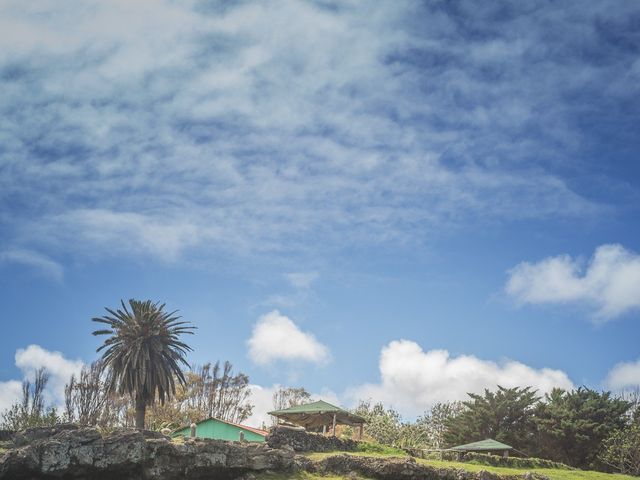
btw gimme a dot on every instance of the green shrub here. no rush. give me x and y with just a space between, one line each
371 447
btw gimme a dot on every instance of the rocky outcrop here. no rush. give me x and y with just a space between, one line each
136 455
403 468
302 441
72 453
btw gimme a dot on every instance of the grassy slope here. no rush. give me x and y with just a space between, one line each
552 473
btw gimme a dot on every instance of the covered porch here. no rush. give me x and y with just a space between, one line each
318 416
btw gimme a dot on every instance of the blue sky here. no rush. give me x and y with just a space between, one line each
402 201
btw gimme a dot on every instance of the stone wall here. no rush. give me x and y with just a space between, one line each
136 455
302 441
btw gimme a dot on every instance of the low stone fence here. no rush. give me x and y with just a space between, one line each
302 441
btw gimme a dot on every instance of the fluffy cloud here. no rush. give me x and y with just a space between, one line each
276 337
624 375
412 380
609 282
9 392
167 128
30 359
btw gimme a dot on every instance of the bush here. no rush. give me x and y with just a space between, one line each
372 447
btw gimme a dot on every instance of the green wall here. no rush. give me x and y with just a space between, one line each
218 430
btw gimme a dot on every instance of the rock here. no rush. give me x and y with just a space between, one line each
30 435
302 441
83 453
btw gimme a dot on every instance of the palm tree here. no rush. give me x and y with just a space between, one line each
143 353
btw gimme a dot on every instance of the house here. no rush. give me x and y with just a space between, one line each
223 430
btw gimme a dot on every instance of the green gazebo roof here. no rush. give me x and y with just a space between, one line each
483 445
316 414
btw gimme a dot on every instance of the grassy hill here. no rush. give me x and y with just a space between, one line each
551 473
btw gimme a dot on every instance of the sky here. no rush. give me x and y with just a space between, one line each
400 201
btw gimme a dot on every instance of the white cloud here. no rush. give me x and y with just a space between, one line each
10 392
610 281
30 359
412 380
164 128
623 376
277 337
35 260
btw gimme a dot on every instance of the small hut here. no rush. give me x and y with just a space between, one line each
484 446
319 415
222 430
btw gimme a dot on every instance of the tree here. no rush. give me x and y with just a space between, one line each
383 425
214 391
435 422
86 398
505 415
572 425
143 353
290 397
31 410
622 450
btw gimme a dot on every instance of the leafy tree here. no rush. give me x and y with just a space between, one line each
435 422
143 353
383 425
505 415
31 410
573 425
622 450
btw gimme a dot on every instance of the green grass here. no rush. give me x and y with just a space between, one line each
302 476
552 473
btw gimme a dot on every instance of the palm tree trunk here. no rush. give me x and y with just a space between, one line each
141 408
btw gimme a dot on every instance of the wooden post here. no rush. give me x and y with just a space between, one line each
242 436
333 428
360 431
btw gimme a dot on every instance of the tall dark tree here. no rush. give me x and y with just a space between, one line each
505 415
573 425
143 353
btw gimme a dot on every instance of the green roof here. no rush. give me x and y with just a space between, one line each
315 407
316 414
487 444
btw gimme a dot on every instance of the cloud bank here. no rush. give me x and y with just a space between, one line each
277 337
412 380
609 283
165 129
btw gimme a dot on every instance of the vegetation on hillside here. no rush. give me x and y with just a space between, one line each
140 380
